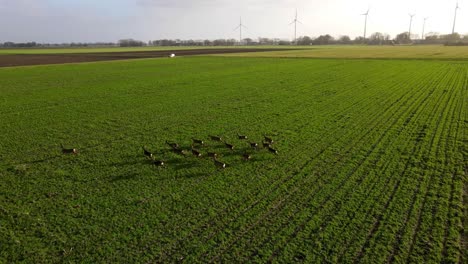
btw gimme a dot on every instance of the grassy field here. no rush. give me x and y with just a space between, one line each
369 52
372 164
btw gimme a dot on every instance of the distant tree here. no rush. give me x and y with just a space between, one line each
267 41
452 37
403 38
360 40
323 40
248 41
432 36
305 40
130 43
219 42
379 38
207 42
345 40
20 45
231 42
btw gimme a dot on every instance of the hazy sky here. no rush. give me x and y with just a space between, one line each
110 20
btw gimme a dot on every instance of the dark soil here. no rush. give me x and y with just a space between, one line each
43 59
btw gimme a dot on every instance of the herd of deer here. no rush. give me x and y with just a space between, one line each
267 143
174 147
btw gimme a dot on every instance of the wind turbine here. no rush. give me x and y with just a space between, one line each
424 27
240 26
455 18
295 21
365 22
410 24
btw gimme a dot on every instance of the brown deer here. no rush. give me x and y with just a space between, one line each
147 153
172 145
212 155
272 150
216 138
159 163
69 151
219 164
180 152
229 146
198 141
247 156
196 153
253 145
241 137
268 139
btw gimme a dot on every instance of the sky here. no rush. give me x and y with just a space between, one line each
58 21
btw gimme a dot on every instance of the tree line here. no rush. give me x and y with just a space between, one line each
376 38
33 44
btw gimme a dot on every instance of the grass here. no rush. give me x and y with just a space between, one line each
371 167
435 52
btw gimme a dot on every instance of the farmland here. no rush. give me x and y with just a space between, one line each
44 58
372 164
426 52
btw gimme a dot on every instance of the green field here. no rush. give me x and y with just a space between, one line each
372 164
369 52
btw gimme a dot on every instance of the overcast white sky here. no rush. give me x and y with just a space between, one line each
110 20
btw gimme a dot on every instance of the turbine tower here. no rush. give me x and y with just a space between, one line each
410 24
240 26
424 27
455 18
295 21
365 22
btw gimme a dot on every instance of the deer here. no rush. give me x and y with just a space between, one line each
272 150
69 151
172 145
219 164
247 156
180 152
253 145
229 146
268 139
212 155
147 153
242 137
198 141
216 138
159 163
196 153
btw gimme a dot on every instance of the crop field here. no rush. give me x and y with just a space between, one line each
16 60
426 52
371 166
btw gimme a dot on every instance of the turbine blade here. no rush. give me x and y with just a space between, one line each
292 22
236 28
299 22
